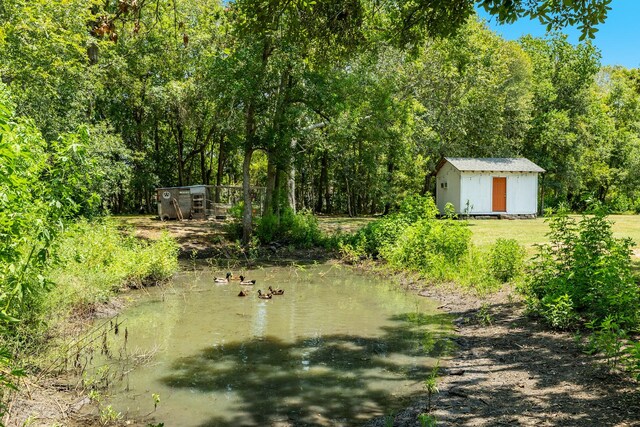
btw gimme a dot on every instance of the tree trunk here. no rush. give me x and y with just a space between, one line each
291 179
246 192
391 167
219 173
177 134
349 209
427 184
323 177
271 184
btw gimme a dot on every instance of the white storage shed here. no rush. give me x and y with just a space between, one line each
488 186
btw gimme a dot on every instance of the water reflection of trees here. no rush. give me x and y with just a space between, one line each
316 379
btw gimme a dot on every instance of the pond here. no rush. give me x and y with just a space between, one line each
338 348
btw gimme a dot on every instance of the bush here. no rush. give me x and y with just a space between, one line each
506 259
414 239
95 259
587 267
558 311
299 229
428 245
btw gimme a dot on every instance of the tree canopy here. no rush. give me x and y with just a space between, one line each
334 106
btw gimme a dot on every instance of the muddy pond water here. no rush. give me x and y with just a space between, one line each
338 348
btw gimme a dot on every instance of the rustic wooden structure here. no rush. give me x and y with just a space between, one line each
202 201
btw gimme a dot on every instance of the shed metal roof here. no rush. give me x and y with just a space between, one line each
491 164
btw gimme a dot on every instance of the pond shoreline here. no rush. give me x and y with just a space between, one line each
508 370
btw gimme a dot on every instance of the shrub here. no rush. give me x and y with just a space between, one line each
386 231
95 259
414 239
558 311
300 229
429 244
417 207
588 265
506 259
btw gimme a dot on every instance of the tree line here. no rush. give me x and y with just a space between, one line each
339 106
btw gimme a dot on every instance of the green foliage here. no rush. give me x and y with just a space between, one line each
233 226
414 239
506 259
484 315
428 244
95 259
42 187
299 229
558 311
427 420
46 264
608 338
632 359
414 208
431 385
584 272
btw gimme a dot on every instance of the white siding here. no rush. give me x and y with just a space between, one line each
451 194
477 189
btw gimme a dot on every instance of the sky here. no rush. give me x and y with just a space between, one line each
618 38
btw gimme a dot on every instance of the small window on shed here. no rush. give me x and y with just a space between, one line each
443 185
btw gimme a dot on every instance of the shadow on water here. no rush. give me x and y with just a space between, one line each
329 379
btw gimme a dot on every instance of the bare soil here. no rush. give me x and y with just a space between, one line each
509 370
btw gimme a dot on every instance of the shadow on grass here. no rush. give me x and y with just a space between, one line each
324 380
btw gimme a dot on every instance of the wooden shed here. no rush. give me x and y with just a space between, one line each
202 201
488 186
182 202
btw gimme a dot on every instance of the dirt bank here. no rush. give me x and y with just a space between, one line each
510 370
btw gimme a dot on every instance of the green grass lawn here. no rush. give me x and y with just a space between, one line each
531 231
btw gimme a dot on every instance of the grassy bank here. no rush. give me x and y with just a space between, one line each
95 260
91 262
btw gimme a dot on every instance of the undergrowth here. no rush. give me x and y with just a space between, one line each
298 229
414 239
95 259
584 279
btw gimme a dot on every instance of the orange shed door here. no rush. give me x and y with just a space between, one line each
499 194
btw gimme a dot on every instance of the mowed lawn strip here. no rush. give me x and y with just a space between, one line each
528 232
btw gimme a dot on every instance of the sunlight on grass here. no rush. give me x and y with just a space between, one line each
531 231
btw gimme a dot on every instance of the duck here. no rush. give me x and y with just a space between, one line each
276 291
246 282
243 293
221 280
263 296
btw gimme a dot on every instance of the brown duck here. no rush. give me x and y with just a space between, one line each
263 296
276 291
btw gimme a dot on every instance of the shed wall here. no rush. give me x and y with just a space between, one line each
451 194
477 188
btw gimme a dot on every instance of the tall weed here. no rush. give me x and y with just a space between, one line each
506 259
95 259
414 239
299 229
584 272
